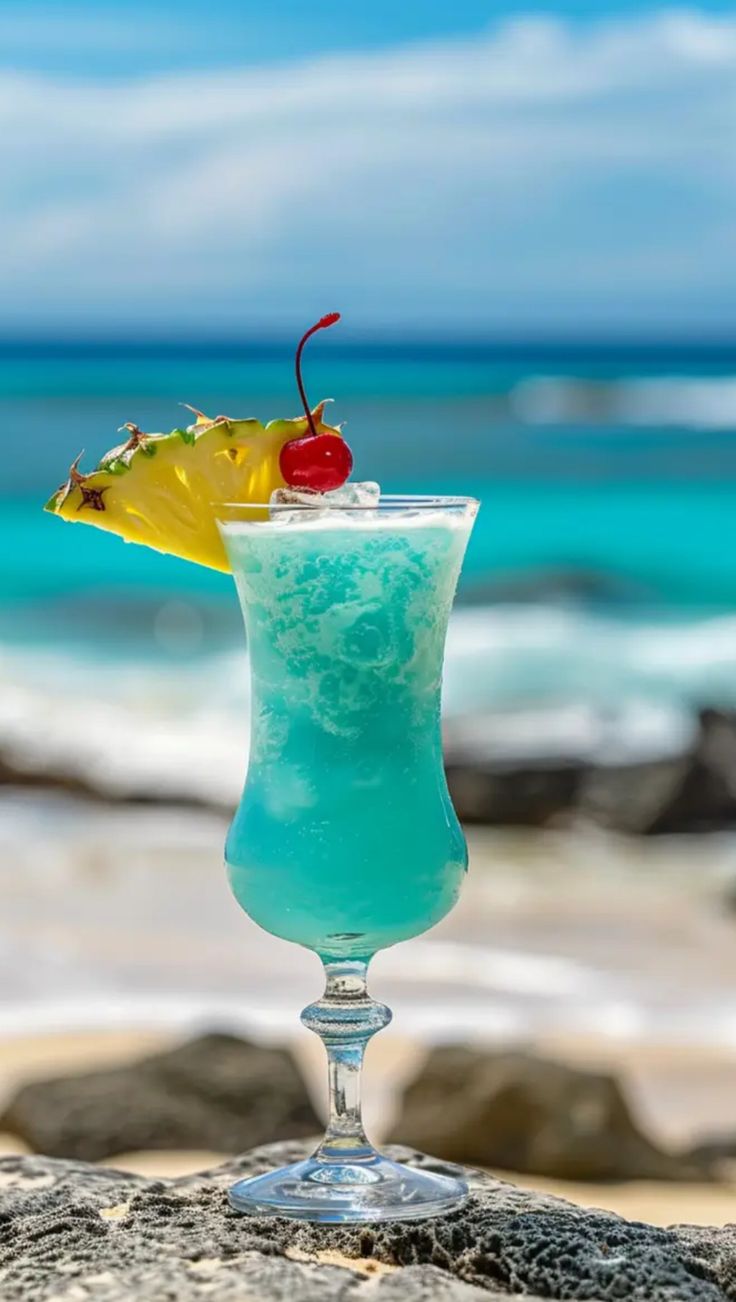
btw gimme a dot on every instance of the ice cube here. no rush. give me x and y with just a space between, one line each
282 499
295 497
309 505
366 494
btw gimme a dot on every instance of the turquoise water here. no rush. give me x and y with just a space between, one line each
621 464
345 840
666 542
601 571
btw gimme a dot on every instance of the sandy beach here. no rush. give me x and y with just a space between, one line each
119 936
117 916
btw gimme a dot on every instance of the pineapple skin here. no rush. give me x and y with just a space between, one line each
163 490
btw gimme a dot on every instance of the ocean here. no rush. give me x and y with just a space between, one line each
598 603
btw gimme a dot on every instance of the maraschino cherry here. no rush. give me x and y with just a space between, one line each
316 462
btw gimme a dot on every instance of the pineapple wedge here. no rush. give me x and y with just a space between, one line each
161 489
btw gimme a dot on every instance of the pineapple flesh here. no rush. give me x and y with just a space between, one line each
163 490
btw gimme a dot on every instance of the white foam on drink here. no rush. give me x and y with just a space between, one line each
356 506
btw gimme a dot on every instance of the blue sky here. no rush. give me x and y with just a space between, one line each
86 40
472 168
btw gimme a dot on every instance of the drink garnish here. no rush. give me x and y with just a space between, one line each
164 490
317 461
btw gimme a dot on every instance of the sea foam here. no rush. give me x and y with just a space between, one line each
542 679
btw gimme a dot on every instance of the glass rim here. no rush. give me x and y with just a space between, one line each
388 502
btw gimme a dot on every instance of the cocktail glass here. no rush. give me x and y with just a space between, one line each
345 840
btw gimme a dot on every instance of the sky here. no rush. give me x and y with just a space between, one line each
473 169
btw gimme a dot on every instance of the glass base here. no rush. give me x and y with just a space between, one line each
372 1189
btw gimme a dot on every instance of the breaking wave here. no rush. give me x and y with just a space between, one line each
552 680
669 401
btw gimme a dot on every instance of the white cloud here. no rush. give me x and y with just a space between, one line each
542 173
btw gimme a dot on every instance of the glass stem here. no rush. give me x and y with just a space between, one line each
345 1018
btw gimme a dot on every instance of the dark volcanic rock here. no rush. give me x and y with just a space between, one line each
632 797
684 792
715 1148
216 1092
523 1113
487 789
80 1234
705 797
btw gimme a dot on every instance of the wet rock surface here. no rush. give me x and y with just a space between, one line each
72 1232
521 1112
706 795
693 791
501 794
216 1092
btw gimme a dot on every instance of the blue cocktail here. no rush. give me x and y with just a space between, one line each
345 840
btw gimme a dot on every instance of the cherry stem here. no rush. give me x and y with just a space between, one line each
322 324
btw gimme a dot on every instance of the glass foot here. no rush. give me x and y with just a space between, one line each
372 1189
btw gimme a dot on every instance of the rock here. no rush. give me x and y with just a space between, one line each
705 798
503 794
216 1092
523 1113
693 792
76 1233
715 1149
631 797
14 772
687 791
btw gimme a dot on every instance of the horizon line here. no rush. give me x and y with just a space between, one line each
376 344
